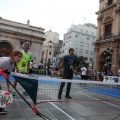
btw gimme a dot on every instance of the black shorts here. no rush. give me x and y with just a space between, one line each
67 76
30 71
83 76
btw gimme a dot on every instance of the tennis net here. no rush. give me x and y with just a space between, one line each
48 89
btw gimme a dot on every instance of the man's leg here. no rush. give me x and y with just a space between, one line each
68 87
61 89
68 90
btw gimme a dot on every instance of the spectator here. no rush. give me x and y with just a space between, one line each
110 73
31 66
83 73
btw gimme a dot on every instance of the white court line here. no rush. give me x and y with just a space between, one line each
102 101
80 93
62 111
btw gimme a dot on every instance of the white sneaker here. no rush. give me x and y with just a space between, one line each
2 111
25 93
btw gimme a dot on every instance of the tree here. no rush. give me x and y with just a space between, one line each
81 61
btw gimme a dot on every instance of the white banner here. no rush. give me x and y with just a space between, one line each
113 79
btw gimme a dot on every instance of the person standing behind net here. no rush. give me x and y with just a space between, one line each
24 65
30 71
7 64
83 73
68 63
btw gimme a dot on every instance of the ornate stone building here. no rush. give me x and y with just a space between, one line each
107 45
14 34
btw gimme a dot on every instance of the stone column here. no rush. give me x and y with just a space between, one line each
116 30
96 59
115 61
99 28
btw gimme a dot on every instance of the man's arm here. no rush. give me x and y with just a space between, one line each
75 67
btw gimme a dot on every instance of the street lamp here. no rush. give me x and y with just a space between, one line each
107 59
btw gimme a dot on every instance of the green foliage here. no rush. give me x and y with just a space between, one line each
81 62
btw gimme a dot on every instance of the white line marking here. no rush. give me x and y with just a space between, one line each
102 101
62 111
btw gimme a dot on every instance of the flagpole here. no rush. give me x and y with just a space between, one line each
32 107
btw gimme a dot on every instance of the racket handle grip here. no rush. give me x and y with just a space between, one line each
1 72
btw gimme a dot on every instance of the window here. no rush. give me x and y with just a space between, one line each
88 38
92 33
50 46
69 42
82 36
91 53
66 50
87 45
110 2
86 53
66 43
91 59
49 53
76 43
82 44
108 31
93 39
49 59
76 50
81 52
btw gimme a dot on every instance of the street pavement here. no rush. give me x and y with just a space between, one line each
84 110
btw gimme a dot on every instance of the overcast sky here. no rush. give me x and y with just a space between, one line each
55 15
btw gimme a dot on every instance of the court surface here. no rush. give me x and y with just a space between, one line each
82 110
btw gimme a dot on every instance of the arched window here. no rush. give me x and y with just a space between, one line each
108 27
5 45
5 49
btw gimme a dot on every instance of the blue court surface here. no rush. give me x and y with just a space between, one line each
113 92
2 79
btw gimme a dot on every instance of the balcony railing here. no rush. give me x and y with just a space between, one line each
108 36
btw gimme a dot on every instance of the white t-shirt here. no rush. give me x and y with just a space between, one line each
119 72
5 64
84 71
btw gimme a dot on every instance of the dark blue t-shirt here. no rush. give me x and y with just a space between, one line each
70 61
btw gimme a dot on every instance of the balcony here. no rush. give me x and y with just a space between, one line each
108 36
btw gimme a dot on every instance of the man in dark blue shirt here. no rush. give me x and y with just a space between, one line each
69 65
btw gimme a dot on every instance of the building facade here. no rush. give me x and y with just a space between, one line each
51 50
107 45
14 34
81 38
